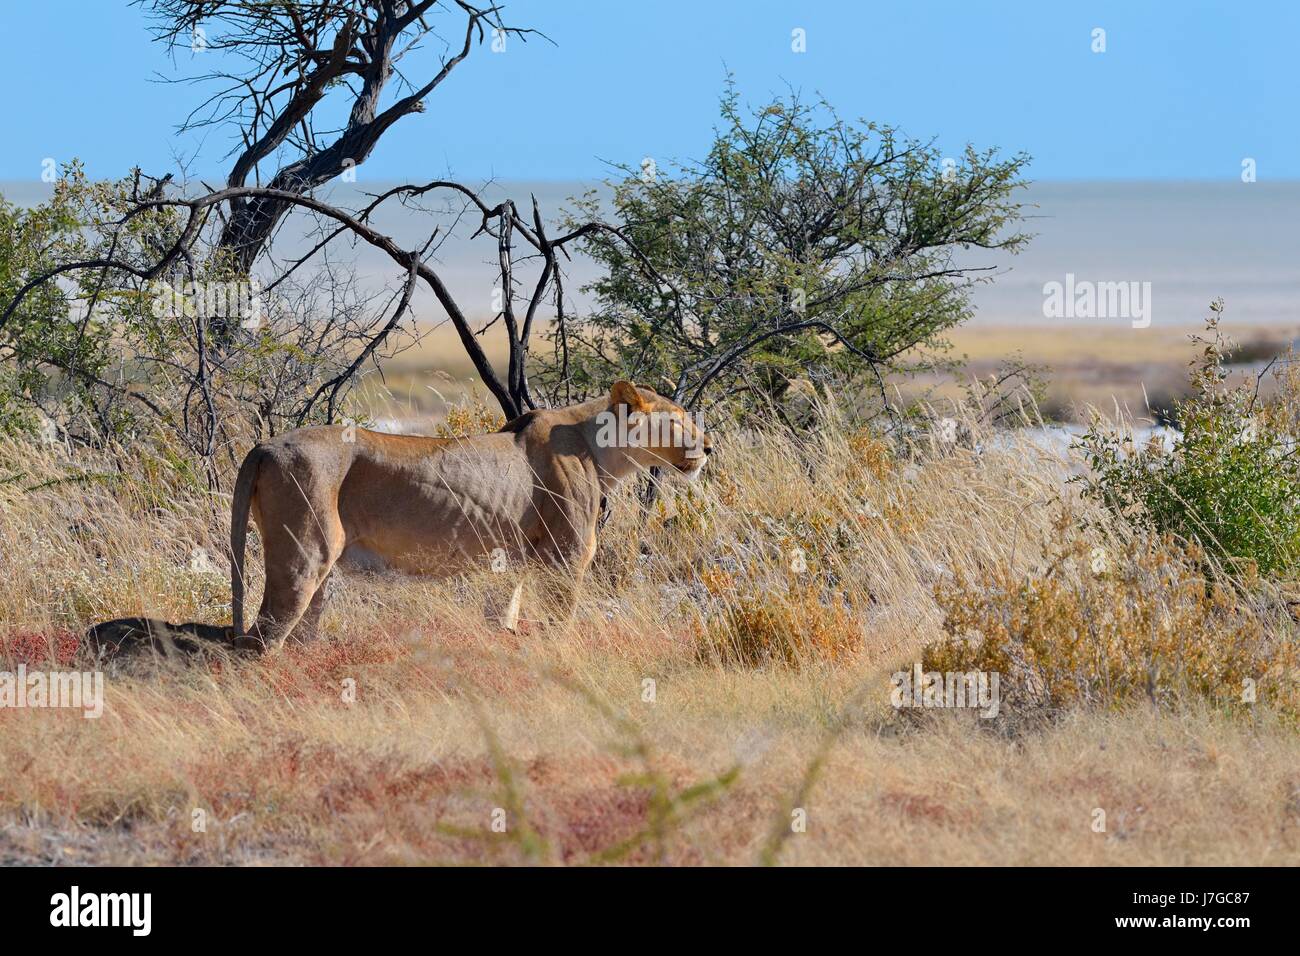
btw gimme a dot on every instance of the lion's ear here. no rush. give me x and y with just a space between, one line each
625 393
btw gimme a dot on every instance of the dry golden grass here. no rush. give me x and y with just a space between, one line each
623 736
1066 346
1096 365
1099 365
1050 343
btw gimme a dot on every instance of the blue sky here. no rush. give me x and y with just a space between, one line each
1185 90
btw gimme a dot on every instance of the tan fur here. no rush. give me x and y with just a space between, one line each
437 506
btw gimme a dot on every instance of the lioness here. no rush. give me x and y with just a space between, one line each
439 505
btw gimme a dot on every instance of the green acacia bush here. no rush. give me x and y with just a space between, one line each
1230 482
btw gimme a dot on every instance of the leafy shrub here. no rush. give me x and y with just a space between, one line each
203 351
1097 629
800 247
1230 483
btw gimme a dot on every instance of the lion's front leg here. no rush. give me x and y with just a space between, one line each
568 570
564 540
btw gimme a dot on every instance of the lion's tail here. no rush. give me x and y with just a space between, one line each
241 503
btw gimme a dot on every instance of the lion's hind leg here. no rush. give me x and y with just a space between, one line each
308 627
297 568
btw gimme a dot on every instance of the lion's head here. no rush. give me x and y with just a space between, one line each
653 431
